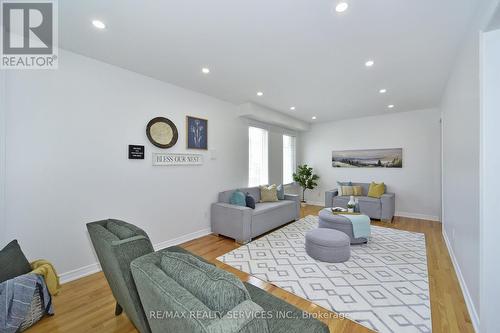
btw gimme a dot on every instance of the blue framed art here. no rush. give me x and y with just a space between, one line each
197 133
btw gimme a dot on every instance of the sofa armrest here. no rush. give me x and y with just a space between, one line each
245 317
232 221
296 198
388 201
329 197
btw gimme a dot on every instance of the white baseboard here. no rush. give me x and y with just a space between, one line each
96 267
468 299
79 273
418 216
182 239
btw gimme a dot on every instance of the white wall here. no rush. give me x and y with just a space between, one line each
417 184
67 135
490 182
460 108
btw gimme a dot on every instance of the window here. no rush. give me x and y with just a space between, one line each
257 157
288 158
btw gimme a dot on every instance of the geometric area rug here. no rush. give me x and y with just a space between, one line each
384 285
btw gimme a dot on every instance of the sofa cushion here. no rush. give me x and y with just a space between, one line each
120 231
340 184
264 207
250 201
219 290
238 199
280 192
226 195
13 263
347 190
357 191
268 193
376 190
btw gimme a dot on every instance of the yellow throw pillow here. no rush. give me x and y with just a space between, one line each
347 190
357 191
376 190
268 193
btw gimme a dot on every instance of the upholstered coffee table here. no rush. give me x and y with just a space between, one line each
328 245
338 222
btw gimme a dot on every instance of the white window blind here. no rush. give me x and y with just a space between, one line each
257 156
288 158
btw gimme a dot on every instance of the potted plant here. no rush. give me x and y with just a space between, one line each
306 179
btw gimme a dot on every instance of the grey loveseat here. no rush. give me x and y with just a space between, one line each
243 223
380 209
180 293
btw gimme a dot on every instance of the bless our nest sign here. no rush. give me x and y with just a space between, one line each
162 159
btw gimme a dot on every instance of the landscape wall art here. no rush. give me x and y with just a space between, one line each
368 158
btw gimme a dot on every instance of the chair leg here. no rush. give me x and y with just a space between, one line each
118 310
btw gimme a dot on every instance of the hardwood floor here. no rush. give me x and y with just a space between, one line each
87 305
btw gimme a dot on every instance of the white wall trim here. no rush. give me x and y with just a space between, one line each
468 299
96 267
418 216
79 273
182 239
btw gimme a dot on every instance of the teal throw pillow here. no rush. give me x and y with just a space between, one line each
238 199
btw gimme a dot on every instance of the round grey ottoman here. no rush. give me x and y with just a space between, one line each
338 222
328 245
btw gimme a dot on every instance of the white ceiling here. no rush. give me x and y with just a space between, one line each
298 52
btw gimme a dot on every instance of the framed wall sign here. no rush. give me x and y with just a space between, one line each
162 132
165 159
196 133
135 152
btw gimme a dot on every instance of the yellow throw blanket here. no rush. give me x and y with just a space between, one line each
47 270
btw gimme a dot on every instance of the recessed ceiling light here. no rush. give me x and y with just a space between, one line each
313 118
260 93
390 106
341 7
292 108
99 24
382 91
369 63
205 70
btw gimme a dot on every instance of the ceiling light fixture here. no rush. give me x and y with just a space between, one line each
313 118
205 70
99 24
292 108
260 93
341 7
369 63
382 91
390 106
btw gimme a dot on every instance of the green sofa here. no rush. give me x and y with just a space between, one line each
116 244
180 293
139 282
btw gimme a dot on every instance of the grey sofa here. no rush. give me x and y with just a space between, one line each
243 223
116 244
380 209
182 294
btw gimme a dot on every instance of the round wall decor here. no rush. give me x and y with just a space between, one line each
162 132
